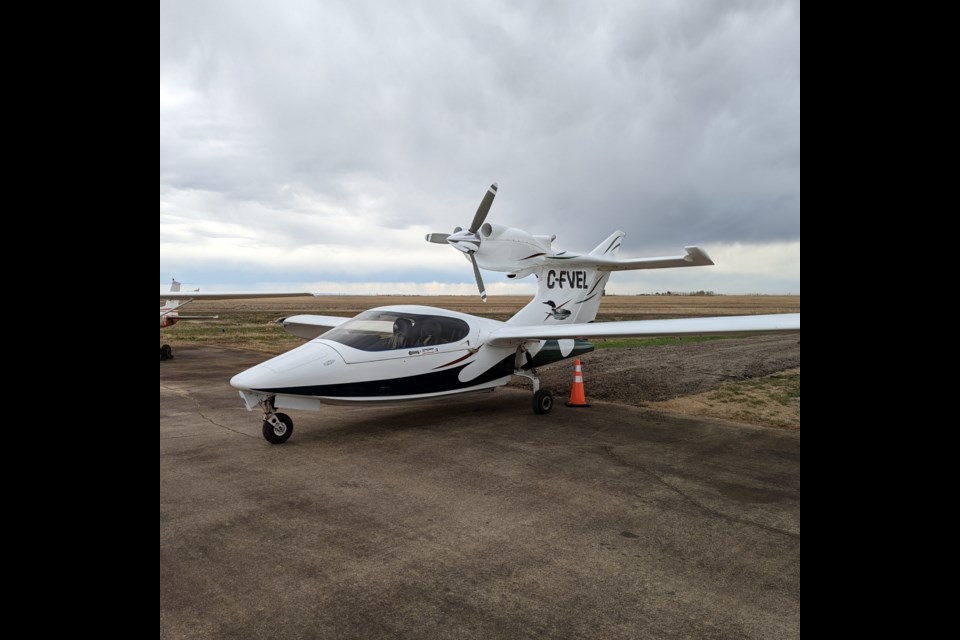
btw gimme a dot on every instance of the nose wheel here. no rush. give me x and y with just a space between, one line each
166 352
277 427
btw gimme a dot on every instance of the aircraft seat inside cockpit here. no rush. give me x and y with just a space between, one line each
405 334
430 333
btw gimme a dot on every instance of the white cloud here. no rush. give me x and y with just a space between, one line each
322 140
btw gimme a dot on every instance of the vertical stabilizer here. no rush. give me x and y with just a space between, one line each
609 247
565 295
172 303
569 292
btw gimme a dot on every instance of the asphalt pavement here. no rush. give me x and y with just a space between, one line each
470 519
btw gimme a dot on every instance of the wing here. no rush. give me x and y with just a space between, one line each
647 328
233 295
309 327
694 257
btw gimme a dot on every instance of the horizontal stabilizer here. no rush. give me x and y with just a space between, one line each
694 257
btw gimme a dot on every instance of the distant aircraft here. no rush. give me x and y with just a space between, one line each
171 301
399 353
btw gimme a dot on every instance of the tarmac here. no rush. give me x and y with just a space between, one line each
474 519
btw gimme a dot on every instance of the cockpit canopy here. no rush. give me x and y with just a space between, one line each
383 330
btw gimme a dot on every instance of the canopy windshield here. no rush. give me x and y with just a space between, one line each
381 330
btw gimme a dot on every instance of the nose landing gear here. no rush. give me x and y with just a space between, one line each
277 427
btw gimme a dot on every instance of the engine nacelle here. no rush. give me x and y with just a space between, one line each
504 248
489 231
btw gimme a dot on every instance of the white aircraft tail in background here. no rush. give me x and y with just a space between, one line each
171 301
168 310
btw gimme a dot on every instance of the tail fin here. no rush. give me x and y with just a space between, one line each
609 247
569 293
564 296
569 286
172 303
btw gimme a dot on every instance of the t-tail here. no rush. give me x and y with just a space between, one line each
569 288
172 303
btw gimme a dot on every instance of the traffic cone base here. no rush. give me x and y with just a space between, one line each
577 395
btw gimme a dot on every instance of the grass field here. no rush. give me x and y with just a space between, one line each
251 324
770 401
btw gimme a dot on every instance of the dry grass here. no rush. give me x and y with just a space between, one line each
250 324
772 401
502 307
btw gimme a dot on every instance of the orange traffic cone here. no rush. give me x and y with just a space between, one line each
577 396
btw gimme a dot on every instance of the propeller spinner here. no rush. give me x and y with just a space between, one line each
468 240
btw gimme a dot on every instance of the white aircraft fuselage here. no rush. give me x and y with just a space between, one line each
395 354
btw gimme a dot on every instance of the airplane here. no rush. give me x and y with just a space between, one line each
171 301
402 353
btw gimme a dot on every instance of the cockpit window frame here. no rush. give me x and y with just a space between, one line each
382 330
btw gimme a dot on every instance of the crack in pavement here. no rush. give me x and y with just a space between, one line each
186 394
608 451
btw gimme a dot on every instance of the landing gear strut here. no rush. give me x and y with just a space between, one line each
166 353
542 399
277 427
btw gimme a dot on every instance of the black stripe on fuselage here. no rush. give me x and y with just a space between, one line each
433 382
550 353
425 383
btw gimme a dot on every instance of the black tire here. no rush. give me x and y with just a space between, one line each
270 432
166 352
542 402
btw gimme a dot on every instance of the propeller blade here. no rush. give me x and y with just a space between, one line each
438 238
476 272
484 208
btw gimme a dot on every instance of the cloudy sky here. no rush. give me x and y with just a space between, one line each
313 143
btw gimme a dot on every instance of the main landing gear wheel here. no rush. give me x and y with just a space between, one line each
542 402
166 353
280 432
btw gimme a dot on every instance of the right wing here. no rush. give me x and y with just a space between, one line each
310 327
509 335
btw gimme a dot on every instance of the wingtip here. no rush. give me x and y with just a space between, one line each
698 256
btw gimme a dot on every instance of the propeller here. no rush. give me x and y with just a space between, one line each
476 274
468 240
